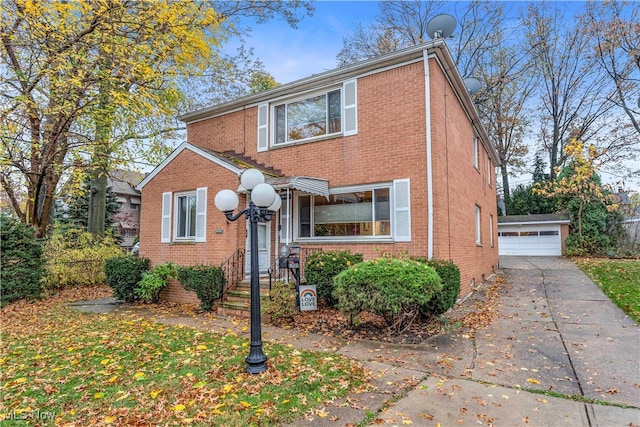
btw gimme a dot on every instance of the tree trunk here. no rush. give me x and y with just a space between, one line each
505 188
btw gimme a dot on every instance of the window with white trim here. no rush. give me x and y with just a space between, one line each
478 227
490 170
185 215
475 152
186 211
332 112
362 212
491 229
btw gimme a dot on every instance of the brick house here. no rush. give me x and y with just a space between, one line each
127 220
387 155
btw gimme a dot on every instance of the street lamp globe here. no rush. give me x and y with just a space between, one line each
276 204
250 178
263 195
226 200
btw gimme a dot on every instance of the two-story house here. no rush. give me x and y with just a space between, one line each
387 155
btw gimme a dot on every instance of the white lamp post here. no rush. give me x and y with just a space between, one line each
263 203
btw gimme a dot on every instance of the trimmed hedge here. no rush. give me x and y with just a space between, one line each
395 289
123 274
446 298
21 262
321 267
205 280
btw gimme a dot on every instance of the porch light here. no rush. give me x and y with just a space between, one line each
263 203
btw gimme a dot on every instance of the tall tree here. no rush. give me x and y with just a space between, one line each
570 89
93 77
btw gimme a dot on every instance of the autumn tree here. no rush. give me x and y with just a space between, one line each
98 79
593 209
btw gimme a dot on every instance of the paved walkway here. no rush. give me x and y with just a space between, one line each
556 332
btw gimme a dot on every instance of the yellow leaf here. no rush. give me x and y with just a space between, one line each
407 422
113 378
21 380
533 381
199 384
139 375
227 388
179 407
109 419
98 395
105 361
201 347
155 393
321 413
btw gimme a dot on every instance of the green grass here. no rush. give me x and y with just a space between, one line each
618 279
65 367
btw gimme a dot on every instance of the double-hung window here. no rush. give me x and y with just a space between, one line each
478 227
186 213
364 212
311 117
330 113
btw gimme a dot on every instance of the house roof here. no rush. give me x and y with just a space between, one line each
238 163
434 48
124 182
557 218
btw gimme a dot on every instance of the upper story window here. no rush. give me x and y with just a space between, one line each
307 118
323 114
475 152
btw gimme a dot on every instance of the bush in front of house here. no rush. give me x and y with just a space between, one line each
446 298
123 274
78 258
21 263
154 281
321 267
281 305
395 289
205 280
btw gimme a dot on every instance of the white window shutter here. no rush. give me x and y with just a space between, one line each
401 211
263 122
201 214
165 234
350 107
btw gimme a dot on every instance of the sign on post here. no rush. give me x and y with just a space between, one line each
308 298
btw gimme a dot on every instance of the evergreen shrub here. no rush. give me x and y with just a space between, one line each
321 267
446 298
21 262
205 280
123 274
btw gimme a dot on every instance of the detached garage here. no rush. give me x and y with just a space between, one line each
532 235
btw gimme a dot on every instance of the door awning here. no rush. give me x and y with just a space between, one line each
307 184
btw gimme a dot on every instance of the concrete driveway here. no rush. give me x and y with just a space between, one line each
556 332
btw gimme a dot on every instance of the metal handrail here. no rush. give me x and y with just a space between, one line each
277 273
233 269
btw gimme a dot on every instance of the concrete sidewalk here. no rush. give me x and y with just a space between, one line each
556 332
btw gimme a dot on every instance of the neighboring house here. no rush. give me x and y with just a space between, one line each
127 220
533 235
384 156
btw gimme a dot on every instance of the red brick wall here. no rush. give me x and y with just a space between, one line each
390 144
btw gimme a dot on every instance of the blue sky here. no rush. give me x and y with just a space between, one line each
290 54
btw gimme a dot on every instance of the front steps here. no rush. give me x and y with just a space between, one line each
238 300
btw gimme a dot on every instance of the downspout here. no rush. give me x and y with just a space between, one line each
427 97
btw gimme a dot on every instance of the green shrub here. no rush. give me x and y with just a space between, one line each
446 298
395 289
155 281
281 305
124 274
21 263
77 258
321 267
206 281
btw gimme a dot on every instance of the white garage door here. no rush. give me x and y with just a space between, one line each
543 240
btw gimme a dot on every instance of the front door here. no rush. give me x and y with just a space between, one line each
264 237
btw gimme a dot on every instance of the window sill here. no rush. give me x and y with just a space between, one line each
306 141
183 242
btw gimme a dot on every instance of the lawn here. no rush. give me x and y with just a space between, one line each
59 366
618 279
